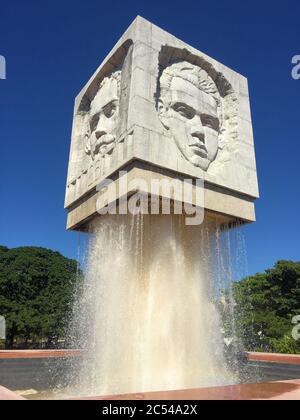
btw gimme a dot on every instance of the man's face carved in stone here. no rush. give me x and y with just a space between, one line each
103 119
191 115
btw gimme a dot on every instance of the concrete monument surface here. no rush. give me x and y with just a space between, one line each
157 107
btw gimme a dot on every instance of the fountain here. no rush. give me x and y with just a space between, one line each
161 167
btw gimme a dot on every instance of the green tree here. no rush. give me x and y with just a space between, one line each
36 290
265 306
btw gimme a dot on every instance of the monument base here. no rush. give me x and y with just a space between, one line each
225 205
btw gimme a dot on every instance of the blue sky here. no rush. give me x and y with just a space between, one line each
53 47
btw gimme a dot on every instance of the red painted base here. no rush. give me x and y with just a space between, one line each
6 394
286 390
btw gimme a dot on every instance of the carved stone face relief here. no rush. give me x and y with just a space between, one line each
103 117
189 107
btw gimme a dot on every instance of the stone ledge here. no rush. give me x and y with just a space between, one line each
290 359
283 390
37 354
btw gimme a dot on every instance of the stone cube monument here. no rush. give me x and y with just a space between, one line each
157 107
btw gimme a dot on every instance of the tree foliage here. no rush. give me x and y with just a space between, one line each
36 289
265 306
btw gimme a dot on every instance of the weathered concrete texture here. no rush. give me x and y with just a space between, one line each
158 100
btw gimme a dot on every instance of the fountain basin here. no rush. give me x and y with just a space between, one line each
34 369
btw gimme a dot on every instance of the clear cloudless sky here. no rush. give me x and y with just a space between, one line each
53 47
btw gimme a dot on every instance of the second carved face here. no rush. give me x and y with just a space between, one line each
189 107
103 119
